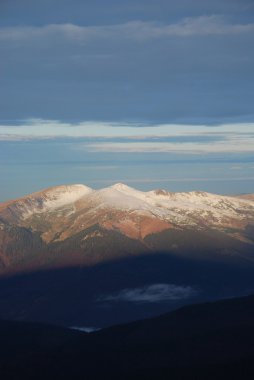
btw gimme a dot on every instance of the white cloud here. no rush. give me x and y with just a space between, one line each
152 293
134 30
227 146
125 137
39 128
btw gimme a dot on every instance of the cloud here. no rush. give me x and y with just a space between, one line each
152 293
227 146
40 128
137 137
85 329
172 69
133 30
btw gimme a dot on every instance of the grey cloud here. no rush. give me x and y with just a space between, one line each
95 11
152 293
191 63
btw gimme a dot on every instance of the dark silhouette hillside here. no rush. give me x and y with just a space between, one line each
211 340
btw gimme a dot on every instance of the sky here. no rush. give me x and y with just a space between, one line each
152 93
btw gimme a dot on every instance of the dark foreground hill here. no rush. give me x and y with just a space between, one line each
206 341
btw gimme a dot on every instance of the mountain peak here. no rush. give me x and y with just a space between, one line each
76 188
60 195
120 186
45 200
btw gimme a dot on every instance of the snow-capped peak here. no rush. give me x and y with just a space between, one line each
122 187
47 200
66 193
190 208
63 195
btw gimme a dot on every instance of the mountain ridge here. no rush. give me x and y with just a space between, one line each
76 221
159 203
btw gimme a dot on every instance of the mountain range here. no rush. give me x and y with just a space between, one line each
70 225
72 255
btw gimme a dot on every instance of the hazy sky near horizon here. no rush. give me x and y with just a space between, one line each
154 93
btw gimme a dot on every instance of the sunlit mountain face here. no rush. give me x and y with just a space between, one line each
75 220
91 258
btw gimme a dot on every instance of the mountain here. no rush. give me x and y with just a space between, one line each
70 225
211 340
75 256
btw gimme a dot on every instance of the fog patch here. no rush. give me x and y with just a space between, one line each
152 293
85 329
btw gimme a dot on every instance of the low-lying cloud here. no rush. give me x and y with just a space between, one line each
85 329
152 293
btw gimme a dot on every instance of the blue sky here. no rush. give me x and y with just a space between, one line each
151 93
